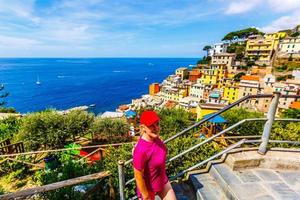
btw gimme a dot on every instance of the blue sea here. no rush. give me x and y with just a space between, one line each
66 83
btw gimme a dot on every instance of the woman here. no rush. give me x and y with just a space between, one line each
149 161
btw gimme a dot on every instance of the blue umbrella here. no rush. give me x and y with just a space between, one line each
130 114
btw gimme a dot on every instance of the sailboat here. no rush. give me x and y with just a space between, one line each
38 81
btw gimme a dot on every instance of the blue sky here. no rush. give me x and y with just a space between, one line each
132 28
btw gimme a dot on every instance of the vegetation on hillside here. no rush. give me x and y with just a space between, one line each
64 128
241 34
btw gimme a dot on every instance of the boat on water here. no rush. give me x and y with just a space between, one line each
38 82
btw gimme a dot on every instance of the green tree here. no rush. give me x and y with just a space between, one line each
3 95
295 34
291 113
238 49
285 131
174 120
235 115
78 123
43 130
9 127
110 129
207 48
49 129
241 34
238 76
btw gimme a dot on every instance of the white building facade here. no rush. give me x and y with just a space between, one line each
290 45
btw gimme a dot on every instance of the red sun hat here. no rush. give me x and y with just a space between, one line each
149 117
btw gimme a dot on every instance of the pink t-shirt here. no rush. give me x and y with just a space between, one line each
151 156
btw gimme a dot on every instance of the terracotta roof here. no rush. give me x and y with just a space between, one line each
295 104
195 72
250 78
123 107
170 104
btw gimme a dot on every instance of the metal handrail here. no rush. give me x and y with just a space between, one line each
264 140
244 141
222 132
218 113
218 134
214 115
209 159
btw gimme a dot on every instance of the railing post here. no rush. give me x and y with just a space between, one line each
121 179
268 125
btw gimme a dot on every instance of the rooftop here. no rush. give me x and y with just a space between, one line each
250 78
295 104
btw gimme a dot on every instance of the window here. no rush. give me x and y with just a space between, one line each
288 46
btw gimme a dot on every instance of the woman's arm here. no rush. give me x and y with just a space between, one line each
140 182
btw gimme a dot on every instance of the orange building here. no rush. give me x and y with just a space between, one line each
194 75
295 105
154 88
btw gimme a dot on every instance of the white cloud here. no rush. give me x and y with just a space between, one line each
17 42
284 22
241 6
284 5
19 9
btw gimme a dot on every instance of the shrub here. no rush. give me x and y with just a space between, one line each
291 113
49 129
174 120
114 130
2 191
9 127
235 115
7 110
78 123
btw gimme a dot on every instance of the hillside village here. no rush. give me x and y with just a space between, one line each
247 62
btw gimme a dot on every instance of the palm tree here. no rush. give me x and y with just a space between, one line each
207 48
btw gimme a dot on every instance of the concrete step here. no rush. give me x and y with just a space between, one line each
241 185
206 187
183 191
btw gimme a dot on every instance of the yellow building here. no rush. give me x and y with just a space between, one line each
263 47
207 108
230 90
154 88
183 72
212 75
173 94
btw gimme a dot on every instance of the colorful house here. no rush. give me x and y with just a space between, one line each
182 72
194 74
207 108
224 58
249 85
263 47
154 88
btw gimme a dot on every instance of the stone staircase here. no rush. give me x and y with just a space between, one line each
245 175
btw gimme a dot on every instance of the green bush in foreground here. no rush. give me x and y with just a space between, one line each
49 129
9 127
112 130
235 115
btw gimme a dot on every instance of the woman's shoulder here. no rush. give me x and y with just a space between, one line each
142 147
